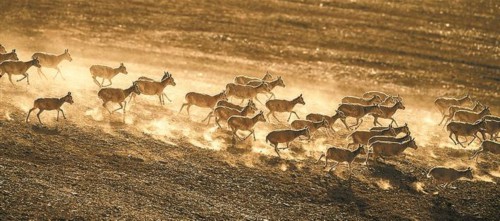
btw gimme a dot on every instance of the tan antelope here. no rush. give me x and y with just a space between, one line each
465 129
358 111
382 96
148 86
312 125
487 146
272 85
106 73
2 49
470 116
43 104
51 61
362 136
202 100
404 138
225 103
444 175
387 149
224 113
17 68
244 123
285 136
246 91
403 129
454 108
387 113
341 155
281 106
117 95
444 103
245 79
331 119
359 100
9 56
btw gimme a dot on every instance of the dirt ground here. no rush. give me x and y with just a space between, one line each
156 163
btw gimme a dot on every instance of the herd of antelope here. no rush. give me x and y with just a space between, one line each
464 116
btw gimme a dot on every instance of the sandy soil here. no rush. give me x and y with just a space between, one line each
156 163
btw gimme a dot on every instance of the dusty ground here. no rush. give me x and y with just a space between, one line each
155 163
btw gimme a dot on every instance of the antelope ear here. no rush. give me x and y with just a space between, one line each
13 50
69 93
121 64
406 124
66 50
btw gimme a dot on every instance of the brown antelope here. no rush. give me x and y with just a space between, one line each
444 103
454 108
105 72
246 91
312 125
359 100
487 146
117 95
285 136
224 113
244 123
443 175
403 129
43 104
272 85
358 111
148 86
51 61
9 56
388 112
362 136
202 100
387 149
382 95
224 103
465 129
373 139
470 116
281 106
2 49
17 68
245 79
341 155
331 119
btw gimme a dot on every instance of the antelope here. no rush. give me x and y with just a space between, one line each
312 125
454 108
224 103
398 130
388 112
17 68
245 79
382 95
465 129
358 111
487 146
341 155
44 104
105 72
362 136
285 136
359 100
148 86
51 61
117 95
389 138
470 116
246 91
492 127
443 175
331 119
272 85
280 106
2 49
4 56
244 123
224 113
444 103
386 149
202 100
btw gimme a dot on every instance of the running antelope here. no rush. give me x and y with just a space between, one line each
358 111
487 146
246 91
387 149
444 103
4 56
43 104
244 123
202 100
388 112
312 125
105 72
2 49
17 68
362 136
331 119
117 95
285 136
224 103
148 86
224 113
454 108
272 85
245 79
470 116
341 155
363 101
280 106
444 175
51 61
465 129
